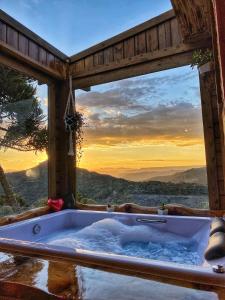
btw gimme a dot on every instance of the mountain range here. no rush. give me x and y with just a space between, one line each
194 175
32 185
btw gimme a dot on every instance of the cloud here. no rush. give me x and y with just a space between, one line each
139 111
111 99
138 93
178 123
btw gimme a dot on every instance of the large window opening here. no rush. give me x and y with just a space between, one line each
143 141
23 142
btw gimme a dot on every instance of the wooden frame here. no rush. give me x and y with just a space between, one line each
161 43
158 44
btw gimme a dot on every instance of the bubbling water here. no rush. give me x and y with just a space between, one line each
111 236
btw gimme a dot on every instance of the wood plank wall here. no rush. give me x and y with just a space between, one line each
20 42
160 34
158 40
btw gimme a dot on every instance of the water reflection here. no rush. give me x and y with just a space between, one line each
62 279
80 283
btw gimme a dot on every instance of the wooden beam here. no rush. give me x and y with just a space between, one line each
144 58
193 18
173 209
31 35
58 73
165 63
124 35
32 213
61 167
26 69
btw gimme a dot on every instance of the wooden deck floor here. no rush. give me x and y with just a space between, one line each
80 283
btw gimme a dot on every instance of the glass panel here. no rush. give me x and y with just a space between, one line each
143 141
23 140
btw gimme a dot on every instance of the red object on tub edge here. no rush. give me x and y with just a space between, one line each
55 204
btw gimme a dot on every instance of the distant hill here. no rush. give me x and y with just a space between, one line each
145 174
194 175
32 186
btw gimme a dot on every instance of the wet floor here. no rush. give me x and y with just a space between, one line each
81 283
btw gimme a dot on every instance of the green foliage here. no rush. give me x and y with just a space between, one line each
20 200
6 210
22 122
40 202
15 87
201 57
84 200
79 133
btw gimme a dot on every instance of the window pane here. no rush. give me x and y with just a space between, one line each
143 141
23 138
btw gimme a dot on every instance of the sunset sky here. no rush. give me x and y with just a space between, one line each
145 122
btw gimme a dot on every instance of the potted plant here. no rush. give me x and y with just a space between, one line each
203 60
162 210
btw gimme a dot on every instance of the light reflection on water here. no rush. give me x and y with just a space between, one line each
81 283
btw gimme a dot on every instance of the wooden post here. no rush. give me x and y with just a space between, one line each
217 9
212 134
61 166
219 38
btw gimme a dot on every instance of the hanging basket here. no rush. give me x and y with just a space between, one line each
70 119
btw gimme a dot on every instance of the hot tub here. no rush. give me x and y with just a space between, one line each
169 246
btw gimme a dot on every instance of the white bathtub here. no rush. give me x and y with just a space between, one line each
24 238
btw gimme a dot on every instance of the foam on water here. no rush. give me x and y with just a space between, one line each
111 236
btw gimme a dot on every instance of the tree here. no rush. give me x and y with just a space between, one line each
6 188
22 122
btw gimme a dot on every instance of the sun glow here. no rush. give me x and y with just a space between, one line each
12 160
111 159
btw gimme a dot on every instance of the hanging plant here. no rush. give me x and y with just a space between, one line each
201 57
74 122
79 133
